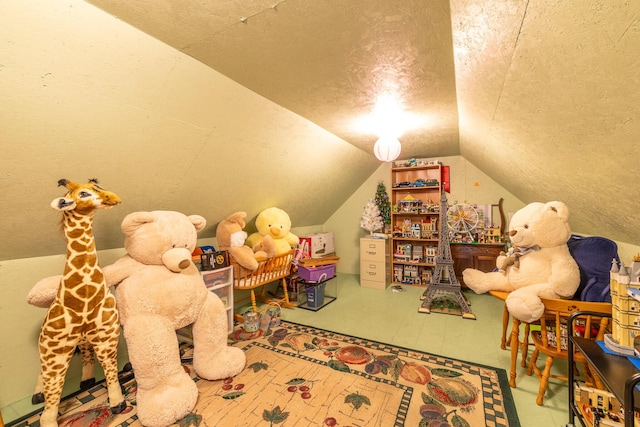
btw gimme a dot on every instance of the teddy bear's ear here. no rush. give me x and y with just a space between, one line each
238 218
198 221
133 221
561 209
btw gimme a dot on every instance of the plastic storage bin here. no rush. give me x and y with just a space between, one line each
317 274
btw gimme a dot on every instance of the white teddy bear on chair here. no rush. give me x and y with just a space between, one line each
539 233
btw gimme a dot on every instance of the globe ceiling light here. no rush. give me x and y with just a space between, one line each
387 148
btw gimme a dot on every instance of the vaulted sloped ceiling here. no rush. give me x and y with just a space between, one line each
548 92
543 96
325 60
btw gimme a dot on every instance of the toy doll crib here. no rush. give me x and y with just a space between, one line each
273 269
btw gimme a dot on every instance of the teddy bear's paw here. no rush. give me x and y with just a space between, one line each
167 402
224 364
526 308
269 246
475 280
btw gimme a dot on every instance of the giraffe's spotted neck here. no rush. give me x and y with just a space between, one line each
81 246
82 282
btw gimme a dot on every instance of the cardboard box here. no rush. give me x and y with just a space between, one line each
317 245
214 260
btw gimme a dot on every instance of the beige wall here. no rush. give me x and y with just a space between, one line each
85 95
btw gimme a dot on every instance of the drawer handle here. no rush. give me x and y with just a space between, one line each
372 273
372 266
372 253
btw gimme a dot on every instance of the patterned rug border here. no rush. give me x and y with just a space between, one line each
503 377
510 411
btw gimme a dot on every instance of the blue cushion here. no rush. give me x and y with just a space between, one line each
593 255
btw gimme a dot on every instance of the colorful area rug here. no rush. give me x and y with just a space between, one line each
302 376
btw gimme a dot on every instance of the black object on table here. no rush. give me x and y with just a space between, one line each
618 374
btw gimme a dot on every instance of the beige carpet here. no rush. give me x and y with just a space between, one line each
302 376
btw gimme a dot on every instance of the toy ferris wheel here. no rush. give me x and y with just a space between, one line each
463 220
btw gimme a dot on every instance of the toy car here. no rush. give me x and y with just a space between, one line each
402 184
419 183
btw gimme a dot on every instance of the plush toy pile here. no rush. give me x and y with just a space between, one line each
159 290
275 223
540 265
231 237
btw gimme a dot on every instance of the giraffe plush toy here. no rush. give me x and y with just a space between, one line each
84 310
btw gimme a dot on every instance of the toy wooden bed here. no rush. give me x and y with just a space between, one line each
268 271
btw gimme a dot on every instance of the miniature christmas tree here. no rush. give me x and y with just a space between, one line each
371 219
382 201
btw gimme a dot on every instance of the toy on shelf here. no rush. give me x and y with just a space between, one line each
409 204
463 221
625 300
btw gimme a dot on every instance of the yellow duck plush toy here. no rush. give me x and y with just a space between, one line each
273 222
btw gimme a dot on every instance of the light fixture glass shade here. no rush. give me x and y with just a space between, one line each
387 149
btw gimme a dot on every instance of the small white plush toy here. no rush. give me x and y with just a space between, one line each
545 267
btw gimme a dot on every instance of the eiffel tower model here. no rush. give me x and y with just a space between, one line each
444 284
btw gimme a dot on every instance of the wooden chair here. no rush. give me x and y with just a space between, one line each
513 340
552 338
271 270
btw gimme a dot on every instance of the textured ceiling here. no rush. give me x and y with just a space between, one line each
542 96
325 60
547 92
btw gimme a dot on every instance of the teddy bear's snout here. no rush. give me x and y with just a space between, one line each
176 259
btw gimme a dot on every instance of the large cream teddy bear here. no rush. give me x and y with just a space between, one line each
159 290
275 223
231 237
539 233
